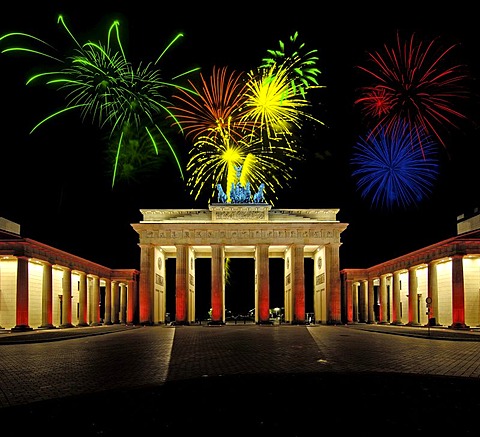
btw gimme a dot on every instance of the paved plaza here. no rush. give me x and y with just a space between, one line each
292 380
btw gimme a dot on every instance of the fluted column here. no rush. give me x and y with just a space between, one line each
107 318
371 302
458 293
263 283
412 297
362 301
349 301
298 284
130 302
83 300
47 296
334 294
396 309
115 304
355 303
218 284
181 286
95 308
146 284
432 292
123 302
383 313
67 298
22 295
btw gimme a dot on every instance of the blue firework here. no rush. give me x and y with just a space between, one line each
395 167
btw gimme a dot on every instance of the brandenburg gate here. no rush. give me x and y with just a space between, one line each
240 230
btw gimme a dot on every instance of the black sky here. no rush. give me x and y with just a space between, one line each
54 181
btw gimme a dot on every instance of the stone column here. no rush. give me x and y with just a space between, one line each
287 281
371 302
396 310
181 285
115 304
218 284
191 281
95 308
355 304
383 313
146 284
458 293
412 297
334 294
432 292
349 301
47 296
298 284
130 302
362 302
22 295
83 310
263 283
67 298
123 303
107 318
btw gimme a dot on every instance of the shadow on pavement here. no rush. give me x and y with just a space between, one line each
363 404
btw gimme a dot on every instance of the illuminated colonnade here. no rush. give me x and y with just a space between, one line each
42 287
243 231
438 286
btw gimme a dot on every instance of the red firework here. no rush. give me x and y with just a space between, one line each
414 83
214 107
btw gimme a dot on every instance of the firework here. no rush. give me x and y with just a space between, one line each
272 106
414 83
392 169
98 80
215 160
248 120
276 101
209 110
226 134
301 67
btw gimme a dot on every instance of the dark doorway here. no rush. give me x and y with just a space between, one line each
240 286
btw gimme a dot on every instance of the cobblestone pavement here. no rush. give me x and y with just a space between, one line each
253 376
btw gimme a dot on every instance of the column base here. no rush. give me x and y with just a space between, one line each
81 325
67 325
459 326
21 328
396 323
413 324
49 326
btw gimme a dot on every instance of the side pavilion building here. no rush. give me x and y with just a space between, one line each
249 230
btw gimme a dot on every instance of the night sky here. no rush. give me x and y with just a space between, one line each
55 182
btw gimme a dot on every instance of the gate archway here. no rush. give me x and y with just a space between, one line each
246 231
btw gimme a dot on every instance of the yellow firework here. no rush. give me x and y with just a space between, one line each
214 160
273 105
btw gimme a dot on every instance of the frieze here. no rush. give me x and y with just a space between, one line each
243 212
238 212
205 236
